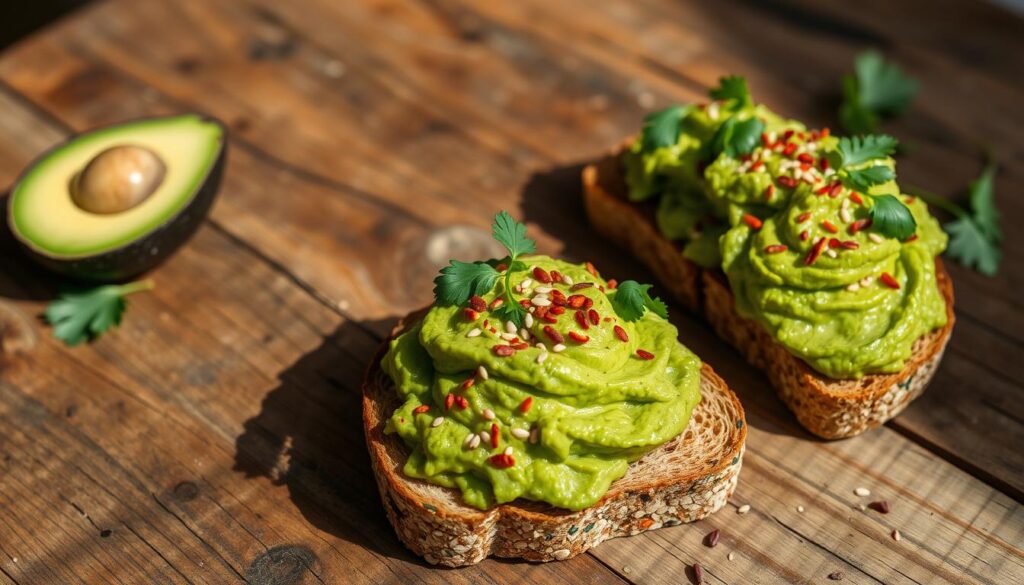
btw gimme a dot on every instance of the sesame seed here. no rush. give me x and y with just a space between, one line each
832 253
437 421
524 333
800 509
468 443
541 357
558 348
485 436
482 372
487 413
528 320
508 450
743 509
521 434
474 332
526 282
567 279
540 302
474 442
896 535
844 214
875 238
853 287
713 110
534 435
510 327
540 345
731 556
862 492
543 290
509 336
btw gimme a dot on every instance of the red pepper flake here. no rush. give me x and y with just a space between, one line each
815 252
502 461
775 248
823 163
525 303
621 333
804 235
765 141
576 301
822 190
495 436
829 227
421 409
501 267
889 280
834 190
449 401
487 323
525 405
856 198
805 166
461 402
880 506
859 225
556 276
752 221
849 245
911 238
578 337
803 217
594 317
909 200
541 311
581 320
558 301
757 165
468 384
477 303
644 354
769 192
789 149
588 303
503 350
549 317
470 314
496 303
553 334
541 275
613 284
580 286
805 158
556 310
520 345
833 243
591 269
787 135
825 132
787 181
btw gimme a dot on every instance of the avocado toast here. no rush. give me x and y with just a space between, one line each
843 300
535 410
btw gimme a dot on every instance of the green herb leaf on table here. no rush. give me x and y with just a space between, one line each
877 88
460 280
864 179
632 298
661 128
84 315
975 235
891 218
858 150
982 201
733 88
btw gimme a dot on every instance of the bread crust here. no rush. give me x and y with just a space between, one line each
828 408
683 480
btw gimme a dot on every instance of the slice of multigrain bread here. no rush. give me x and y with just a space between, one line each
683 480
829 408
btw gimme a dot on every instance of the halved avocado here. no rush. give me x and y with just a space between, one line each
113 202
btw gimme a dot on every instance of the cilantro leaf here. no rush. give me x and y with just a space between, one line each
876 89
982 200
733 88
864 179
892 218
662 128
460 280
84 315
632 298
736 138
970 246
858 150
511 234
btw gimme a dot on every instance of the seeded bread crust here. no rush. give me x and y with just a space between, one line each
684 480
828 408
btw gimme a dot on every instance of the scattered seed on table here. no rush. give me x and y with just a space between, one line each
862 492
880 506
836 576
698 573
800 509
731 556
712 538
743 509
896 535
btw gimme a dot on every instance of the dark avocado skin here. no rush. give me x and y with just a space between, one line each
146 252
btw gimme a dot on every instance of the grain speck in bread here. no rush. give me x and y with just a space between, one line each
829 408
683 480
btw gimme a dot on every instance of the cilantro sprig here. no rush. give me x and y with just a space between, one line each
974 234
661 128
631 299
84 315
861 149
889 216
732 89
876 89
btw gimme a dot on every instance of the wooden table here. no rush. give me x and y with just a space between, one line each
215 437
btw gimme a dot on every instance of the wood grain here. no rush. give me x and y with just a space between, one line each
371 142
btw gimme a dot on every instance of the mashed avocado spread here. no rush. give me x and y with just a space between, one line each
817 242
551 411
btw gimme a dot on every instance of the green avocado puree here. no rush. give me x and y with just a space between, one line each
573 419
759 216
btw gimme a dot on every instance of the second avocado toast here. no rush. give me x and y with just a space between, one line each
537 409
796 245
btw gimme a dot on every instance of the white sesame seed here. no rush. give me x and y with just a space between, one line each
510 327
862 507
567 279
485 436
508 450
854 287
862 492
829 172
743 509
526 282
844 214
528 320
540 301
713 110
772 136
487 413
521 434
524 333
800 509
540 345
481 371
509 336
732 556
474 332
875 238
543 290
437 421
558 348
531 310
468 443
541 357
896 535
832 253
474 442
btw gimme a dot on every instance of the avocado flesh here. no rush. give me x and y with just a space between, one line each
45 217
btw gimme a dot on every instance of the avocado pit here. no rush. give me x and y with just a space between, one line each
117 179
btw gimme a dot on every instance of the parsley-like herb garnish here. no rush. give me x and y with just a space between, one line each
460 280
876 89
889 216
85 315
857 150
864 179
632 298
662 128
736 138
733 89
